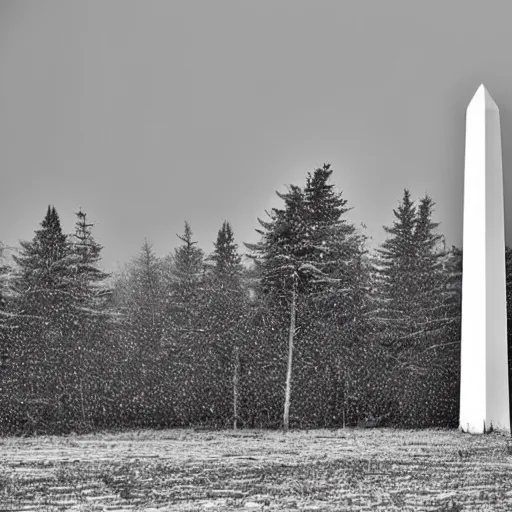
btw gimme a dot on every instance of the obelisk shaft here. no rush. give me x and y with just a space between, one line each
484 395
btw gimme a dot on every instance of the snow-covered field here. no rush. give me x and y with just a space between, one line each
186 470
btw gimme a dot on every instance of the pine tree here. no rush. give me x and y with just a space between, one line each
393 307
396 278
141 296
227 319
91 300
187 271
412 314
430 348
145 302
188 259
308 256
329 235
281 252
225 254
91 287
336 299
44 305
430 282
184 330
44 274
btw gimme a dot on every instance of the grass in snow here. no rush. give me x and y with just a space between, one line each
185 470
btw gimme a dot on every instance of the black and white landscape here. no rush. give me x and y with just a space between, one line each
231 255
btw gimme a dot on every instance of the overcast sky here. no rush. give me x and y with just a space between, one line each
146 113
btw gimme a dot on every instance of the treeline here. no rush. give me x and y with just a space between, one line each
317 332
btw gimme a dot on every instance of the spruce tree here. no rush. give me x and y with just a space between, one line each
328 234
185 344
308 257
44 303
413 314
91 281
225 254
429 350
145 301
227 320
393 304
45 273
187 271
91 295
281 256
396 282
431 285
142 296
336 300
188 259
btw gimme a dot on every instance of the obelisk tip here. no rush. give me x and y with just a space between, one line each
482 98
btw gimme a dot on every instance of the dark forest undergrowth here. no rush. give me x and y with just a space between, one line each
188 470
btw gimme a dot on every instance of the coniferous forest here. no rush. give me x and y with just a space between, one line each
320 330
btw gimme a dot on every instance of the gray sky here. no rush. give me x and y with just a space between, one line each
146 113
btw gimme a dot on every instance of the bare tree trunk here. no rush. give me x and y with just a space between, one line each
82 404
293 312
345 398
342 383
236 379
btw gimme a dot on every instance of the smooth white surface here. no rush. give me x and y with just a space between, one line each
484 363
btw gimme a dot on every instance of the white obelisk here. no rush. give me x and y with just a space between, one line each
484 404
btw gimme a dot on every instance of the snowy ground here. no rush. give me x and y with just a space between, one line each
184 470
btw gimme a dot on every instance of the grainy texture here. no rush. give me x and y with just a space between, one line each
186 470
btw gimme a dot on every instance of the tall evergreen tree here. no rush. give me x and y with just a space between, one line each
430 351
328 233
412 312
44 271
188 259
336 299
91 281
226 319
225 254
394 298
91 295
431 280
45 300
187 271
141 295
308 257
58 303
184 342
145 300
284 271
396 277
